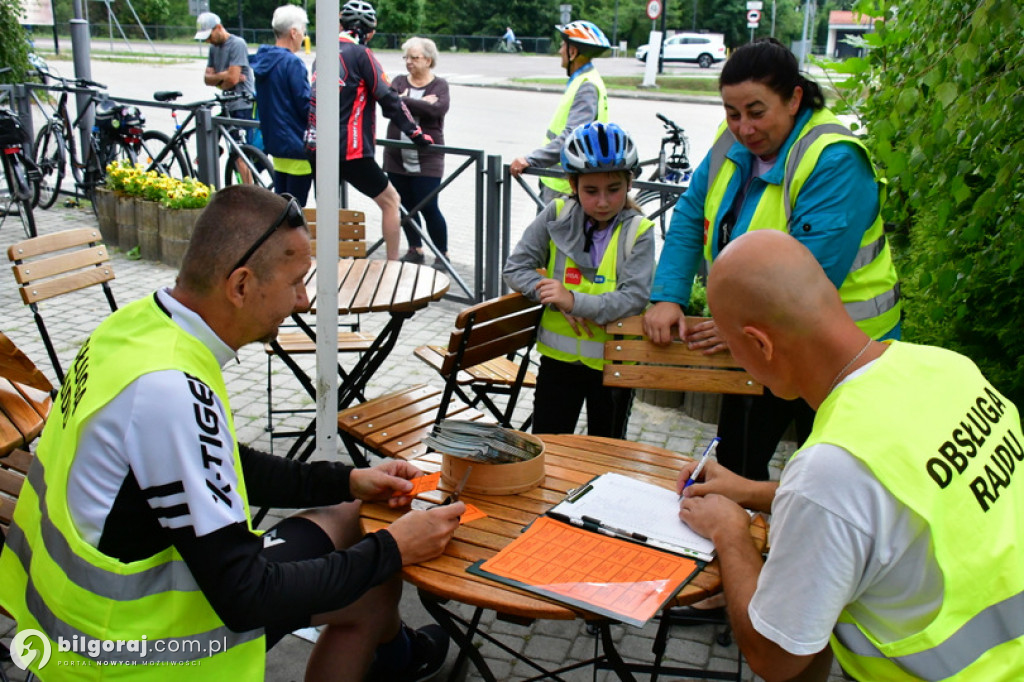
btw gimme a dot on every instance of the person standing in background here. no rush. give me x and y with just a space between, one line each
227 67
415 173
282 98
362 83
585 100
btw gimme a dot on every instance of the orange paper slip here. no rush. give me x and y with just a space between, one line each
422 484
616 578
471 514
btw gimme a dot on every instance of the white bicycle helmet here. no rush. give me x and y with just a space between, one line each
586 36
358 15
600 148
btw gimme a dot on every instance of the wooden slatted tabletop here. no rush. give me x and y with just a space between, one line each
571 460
369 286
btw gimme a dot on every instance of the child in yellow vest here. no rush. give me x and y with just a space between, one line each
597 250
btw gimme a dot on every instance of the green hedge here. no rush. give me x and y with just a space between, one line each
941 95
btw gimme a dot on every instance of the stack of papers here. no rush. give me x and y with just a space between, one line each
481 442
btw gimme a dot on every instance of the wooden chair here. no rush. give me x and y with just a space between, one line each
25 404
351 244
57 264
394 424
635 362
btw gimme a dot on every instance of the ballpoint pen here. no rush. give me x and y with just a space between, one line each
709 450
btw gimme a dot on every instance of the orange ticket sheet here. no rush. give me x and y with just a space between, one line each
616 578
422 484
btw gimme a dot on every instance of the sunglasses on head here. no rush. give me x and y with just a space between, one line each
292 214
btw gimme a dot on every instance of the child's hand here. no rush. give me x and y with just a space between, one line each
580 325
552 292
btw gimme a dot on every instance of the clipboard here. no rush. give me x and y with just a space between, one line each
632 510
625 581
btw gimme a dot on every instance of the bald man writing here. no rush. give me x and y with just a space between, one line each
895 528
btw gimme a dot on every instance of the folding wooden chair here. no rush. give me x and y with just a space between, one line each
633 361
394 424
57 264
300 339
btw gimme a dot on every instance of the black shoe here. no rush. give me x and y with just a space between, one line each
439 265
687 616
413 256
429 650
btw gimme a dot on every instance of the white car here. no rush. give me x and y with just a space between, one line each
703 49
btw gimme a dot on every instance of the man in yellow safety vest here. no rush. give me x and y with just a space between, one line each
895 537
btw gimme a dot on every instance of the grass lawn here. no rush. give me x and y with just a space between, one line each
680 85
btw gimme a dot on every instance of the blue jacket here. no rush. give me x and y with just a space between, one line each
282 100
842 187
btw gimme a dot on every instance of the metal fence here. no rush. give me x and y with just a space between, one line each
491 182
99 29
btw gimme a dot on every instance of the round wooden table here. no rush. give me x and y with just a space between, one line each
571 461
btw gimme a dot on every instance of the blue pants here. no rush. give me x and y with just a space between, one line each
296 185
412 189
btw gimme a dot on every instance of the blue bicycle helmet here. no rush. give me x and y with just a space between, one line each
599 148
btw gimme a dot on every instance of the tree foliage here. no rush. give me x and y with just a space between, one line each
941 94
14 46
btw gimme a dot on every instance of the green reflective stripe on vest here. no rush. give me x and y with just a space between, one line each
995 625
172 575
555 336
560 119
53 581
870 290
906 418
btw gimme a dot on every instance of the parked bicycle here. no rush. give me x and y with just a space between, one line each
672 166
116 134
172 155
21 176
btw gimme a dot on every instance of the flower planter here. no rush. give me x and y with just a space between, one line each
127 231
147 217
106 211
175 228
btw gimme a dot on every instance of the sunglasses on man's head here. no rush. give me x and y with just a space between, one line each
292 214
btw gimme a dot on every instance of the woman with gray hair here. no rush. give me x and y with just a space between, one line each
416 173
282 99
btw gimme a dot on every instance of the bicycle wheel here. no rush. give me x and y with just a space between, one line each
19 193
172 161
660 204
50 157
256 163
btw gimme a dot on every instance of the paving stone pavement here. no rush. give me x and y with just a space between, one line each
552 643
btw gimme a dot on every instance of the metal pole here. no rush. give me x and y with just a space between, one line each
82 60
615 26
661 50
773 18
492 242
694 15
328 138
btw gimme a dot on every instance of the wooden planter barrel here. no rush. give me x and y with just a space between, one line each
147 216
106 213
127 230
175 229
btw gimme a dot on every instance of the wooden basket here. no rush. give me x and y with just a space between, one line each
495 479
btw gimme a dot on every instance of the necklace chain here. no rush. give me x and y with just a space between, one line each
848 365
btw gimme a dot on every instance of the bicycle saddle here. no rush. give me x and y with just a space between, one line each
166 95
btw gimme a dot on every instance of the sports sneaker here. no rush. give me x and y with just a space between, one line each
413 256
438 264
429 650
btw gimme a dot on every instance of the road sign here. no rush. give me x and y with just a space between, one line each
755 4
753 16
653 9
565 13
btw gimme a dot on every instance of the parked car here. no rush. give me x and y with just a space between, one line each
704 49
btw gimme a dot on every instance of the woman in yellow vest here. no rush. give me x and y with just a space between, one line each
781 161
598 252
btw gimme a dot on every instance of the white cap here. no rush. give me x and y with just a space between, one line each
205 23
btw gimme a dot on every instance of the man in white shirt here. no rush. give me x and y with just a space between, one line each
894 531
